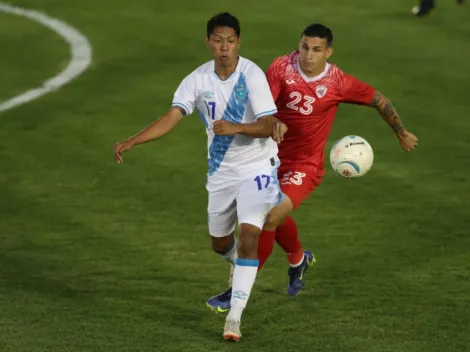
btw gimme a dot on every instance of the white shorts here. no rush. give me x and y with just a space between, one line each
247 200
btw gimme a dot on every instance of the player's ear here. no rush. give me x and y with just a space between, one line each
329 52
239 42
207 40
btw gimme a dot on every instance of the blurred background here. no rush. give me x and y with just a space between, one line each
100 257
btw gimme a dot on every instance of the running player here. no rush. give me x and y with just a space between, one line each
235 104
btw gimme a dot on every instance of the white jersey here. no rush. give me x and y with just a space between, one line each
243 97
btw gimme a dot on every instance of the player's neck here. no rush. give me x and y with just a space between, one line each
314 73
225 71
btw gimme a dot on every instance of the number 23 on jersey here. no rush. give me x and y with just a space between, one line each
300 103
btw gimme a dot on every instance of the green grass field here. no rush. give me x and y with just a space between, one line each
100 257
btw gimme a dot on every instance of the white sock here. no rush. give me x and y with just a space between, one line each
231 256
243 279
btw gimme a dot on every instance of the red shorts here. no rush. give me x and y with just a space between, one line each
298 181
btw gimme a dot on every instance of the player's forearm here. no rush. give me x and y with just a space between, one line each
388 112
262 128
155 130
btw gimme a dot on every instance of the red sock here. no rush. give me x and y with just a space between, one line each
287 237
265 246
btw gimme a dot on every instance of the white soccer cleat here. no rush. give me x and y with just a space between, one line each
232 330
230 277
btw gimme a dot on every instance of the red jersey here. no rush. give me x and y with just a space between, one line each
308 107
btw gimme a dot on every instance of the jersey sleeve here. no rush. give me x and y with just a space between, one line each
260 95
355 91
273 74
185 95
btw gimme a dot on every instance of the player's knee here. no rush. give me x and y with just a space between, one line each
272 221
248 241
222 244
278 215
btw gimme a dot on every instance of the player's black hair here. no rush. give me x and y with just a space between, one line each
320 31
223 19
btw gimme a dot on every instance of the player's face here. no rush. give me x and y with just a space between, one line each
223 44
313 55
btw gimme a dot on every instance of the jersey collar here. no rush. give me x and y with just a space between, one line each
312 79
233 73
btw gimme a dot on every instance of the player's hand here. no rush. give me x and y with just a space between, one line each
120 148
408 141
279 130
225 128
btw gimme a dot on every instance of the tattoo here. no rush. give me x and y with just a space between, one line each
375 99
387 111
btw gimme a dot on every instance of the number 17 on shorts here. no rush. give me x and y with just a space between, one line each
263 181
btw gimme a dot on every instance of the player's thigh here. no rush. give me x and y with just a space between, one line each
257 196
222 210
297 183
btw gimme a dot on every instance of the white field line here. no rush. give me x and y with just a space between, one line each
80 51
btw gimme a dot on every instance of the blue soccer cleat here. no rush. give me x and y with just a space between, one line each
221 302
296 275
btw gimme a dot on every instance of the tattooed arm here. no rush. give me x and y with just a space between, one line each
354 91
387 111
385 108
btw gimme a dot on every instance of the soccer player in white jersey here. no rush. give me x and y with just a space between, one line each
234 102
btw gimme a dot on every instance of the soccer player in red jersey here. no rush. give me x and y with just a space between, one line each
307 91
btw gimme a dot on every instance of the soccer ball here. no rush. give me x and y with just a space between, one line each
351 157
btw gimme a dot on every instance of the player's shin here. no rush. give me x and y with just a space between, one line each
265 246
287 236
245 271
244 277
274 218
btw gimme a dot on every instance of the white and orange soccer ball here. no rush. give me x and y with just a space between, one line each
351 157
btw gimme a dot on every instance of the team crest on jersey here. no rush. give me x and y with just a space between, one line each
321 91
240 92
208 94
